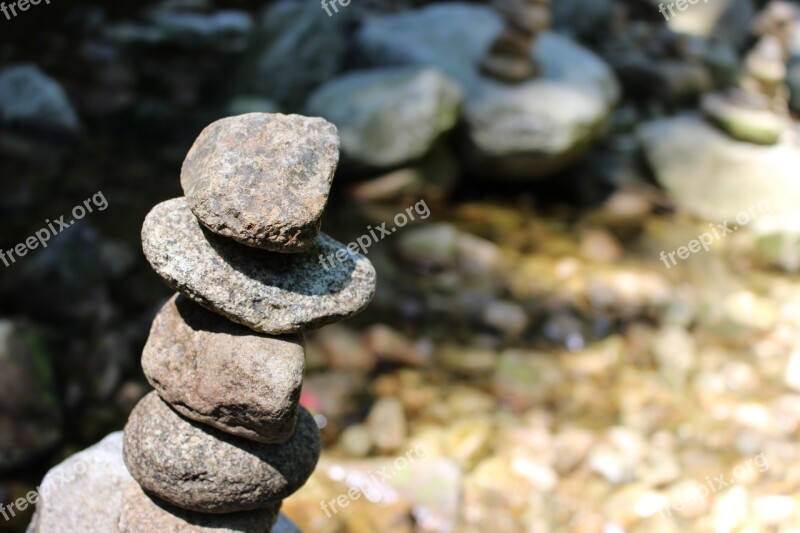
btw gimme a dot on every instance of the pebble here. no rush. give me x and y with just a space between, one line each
267 292
222 374
262 179
198 468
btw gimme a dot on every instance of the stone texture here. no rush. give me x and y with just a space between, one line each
199 468
142 513
84 493
222 374
262 179
388 116
268 292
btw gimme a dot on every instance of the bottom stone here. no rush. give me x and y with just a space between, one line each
199 468
84 493
142 513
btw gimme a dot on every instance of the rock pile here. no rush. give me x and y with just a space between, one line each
222 440
757 109
509 58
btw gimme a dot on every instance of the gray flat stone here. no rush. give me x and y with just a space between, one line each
84 493
142 513
222 374
199 468
262 179
267 292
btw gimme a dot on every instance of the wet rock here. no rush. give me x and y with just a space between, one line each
29 97
142 513
70 493
388 117
267 292
387 422
262 179
30 415
198 468
222 374
298 47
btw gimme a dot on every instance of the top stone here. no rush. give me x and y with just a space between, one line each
262 179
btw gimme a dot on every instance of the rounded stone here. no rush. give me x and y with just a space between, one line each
202 469
142 513
267 292
222 374
262 179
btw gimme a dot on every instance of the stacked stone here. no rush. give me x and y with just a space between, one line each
222 440
757 109
509 59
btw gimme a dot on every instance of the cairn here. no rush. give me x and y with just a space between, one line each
509 57
757 108
222 440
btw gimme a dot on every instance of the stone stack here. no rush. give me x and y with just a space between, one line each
509 57
756 110
222 440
